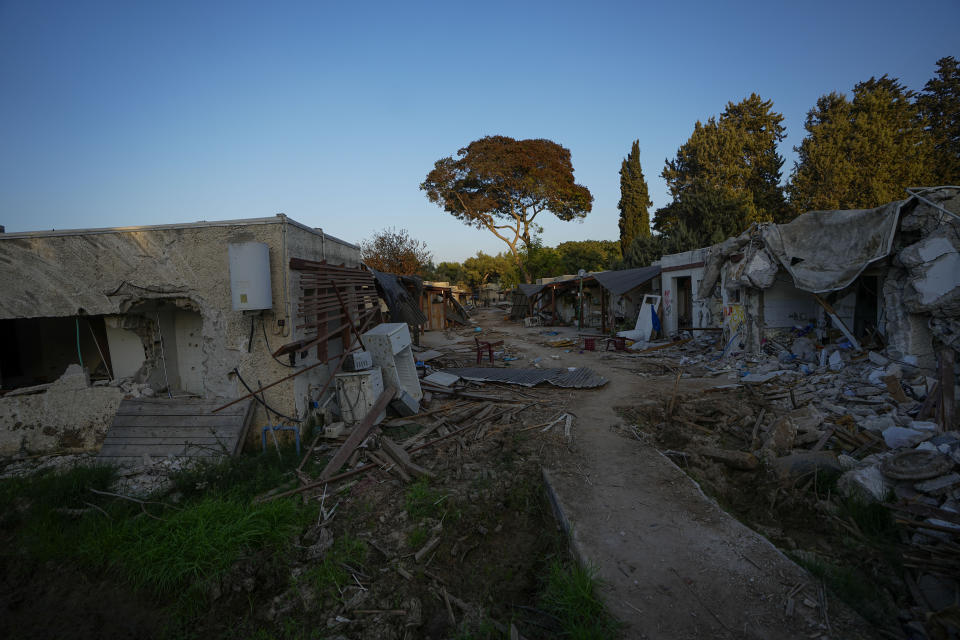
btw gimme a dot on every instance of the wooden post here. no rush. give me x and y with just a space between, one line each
553 305
603 310
947 398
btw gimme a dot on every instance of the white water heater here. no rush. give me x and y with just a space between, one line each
250 276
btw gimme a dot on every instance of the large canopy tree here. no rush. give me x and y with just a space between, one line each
733 157
394 251
939 105
862 153
502 185
635 200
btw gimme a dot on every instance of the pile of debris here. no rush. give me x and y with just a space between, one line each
810 413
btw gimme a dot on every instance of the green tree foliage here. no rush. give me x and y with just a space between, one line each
939 105
860 153
703 218
734 158
483 269
394 251
592 255
644 251
447 272
502 185
635 200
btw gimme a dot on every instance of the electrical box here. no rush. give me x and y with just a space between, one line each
357 393
390 346
250 276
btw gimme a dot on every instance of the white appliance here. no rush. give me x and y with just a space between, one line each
389 344
357 393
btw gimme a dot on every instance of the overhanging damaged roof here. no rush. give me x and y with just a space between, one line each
826 250
620 282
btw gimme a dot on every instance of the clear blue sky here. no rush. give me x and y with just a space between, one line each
129 112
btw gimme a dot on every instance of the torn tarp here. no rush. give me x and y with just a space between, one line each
396 292
826 250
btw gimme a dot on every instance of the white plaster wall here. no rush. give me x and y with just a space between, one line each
126 351
786 306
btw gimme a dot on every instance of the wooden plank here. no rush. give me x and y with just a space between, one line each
127 408
159 450
359 433
173 442
173 432
202 421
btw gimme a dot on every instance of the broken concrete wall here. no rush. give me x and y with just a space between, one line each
69 414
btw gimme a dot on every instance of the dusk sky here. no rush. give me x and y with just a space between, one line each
136 113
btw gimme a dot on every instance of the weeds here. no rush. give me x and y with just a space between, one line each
329 577
421 501
417 538
570 596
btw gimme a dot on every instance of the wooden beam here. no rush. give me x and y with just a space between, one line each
359 434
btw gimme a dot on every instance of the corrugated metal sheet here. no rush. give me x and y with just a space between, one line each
620 282
580 378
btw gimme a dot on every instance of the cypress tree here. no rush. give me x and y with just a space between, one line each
635 200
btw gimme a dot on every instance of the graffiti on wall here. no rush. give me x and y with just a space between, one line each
733 317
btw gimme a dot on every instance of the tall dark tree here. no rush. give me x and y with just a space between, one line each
635 200
502 185
733 157
863 152
939 105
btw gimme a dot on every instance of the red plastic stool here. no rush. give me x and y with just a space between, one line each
619 343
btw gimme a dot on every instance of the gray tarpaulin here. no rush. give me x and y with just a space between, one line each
826 250
530 290
620 282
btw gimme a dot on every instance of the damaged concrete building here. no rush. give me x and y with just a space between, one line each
889 276
176 311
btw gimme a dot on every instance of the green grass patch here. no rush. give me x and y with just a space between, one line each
417 537
241 478
421 501
329 576
571 596
175 552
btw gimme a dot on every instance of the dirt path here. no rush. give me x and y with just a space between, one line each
673 563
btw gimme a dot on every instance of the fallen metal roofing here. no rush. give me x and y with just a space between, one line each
580 378
620 282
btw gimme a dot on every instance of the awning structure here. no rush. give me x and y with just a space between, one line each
620 282
531 290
